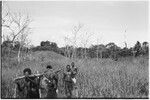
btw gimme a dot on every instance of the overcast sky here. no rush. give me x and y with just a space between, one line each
107 20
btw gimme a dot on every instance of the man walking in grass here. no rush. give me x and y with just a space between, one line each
27 86
51 80
68 82
74 70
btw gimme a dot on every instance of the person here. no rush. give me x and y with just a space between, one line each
28 86
51 82
74 70
67 79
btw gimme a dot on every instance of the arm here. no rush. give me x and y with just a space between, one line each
37 81
64 76
55 77
77 70
22 77
18 78
20 85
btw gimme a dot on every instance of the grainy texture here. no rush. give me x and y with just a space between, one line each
103 78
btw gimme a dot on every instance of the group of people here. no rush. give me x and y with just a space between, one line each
45 85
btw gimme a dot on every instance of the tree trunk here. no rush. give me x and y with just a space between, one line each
101 54
85 54
97 53
74 54
19 54
125 44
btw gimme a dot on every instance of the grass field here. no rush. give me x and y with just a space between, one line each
103 78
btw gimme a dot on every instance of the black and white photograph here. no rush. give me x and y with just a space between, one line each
74 49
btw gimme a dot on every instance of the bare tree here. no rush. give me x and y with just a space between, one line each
84 42
125 39
68 50
23 40
73 39
16 25
75 32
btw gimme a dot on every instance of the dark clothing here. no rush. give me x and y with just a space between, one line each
33 89
29 87
74 72
68 89
52 84
67 78
51 94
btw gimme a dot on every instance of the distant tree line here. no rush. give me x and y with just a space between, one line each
16 25
110 50
9 47
46 46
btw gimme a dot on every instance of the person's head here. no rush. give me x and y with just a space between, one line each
72 64
49 67
68 68
27 72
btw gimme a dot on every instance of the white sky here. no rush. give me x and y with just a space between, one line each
107 20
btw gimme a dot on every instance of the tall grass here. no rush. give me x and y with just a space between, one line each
110 79
103 78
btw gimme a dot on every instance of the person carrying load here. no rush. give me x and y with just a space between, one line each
49 82
27 86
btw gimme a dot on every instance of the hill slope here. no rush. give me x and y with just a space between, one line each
127 77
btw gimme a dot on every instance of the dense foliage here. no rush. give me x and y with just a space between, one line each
111 50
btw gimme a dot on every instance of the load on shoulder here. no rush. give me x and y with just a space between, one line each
33 80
